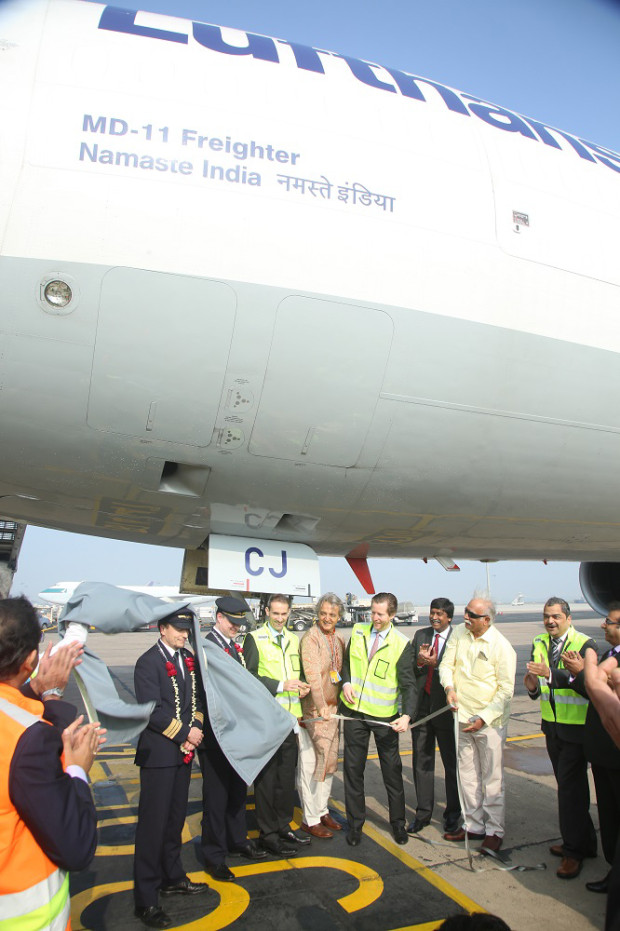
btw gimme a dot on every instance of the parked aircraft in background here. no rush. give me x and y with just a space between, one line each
60 592
188 213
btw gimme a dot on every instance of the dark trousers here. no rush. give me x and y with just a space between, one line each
607 782
612 918
161 815
274 790
356 739
223 806
571 773
423 740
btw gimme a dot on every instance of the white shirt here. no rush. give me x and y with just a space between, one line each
482 671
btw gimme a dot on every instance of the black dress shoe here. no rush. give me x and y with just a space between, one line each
294 837
277 848
601 885
400 835
152 916
416 826
220 872
354 838
250 851
184 887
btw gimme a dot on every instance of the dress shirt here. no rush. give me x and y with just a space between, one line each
482 671
381 634
172 653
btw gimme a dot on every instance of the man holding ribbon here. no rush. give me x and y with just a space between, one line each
477 673
165 674
555 661
272 655
377 676
322 651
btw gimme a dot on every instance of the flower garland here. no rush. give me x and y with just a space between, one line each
171 669
239 650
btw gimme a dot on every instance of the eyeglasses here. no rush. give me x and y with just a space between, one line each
472 616
609 623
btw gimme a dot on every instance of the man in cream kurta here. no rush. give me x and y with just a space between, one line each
478 675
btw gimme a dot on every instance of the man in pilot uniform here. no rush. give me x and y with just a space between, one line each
224 792
165 674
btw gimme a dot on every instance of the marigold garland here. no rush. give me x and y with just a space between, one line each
171 669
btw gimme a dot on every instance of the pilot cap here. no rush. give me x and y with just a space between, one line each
232 608
181 619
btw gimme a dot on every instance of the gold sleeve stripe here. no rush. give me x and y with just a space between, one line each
199 716
173 729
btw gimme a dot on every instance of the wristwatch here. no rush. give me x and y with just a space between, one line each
55 691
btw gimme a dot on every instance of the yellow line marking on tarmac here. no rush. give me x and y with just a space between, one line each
97 773
448 890
426 926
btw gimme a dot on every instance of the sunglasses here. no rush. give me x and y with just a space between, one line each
609 623
472 616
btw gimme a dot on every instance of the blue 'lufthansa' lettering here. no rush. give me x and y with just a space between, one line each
307 59
117 20
261 47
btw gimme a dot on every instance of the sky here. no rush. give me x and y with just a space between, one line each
554 60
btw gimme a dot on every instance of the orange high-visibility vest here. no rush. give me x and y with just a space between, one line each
34 892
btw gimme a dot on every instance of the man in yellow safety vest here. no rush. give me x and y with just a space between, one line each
378 686
272 655
557 656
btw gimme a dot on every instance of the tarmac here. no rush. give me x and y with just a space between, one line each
378 886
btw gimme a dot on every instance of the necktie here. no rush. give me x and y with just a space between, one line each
556 650
431 669
374 647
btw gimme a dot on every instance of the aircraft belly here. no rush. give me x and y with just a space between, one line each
457 437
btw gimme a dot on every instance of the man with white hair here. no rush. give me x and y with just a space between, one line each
478 675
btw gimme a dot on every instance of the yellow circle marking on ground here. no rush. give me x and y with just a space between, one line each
234 900
370 883
437 881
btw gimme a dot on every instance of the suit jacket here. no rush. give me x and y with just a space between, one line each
160 742
599 748
438 695
57 808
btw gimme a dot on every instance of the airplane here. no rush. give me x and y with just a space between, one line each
60 592
263 301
